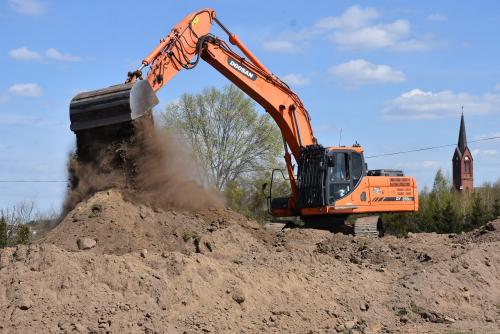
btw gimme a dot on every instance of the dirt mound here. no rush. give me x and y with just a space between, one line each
238 278
119 226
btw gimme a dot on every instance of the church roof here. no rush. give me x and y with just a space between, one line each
462 138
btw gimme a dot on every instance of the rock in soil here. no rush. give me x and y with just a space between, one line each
86 243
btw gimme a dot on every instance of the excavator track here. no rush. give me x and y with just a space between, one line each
370 226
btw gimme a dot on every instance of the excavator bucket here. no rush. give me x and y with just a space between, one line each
113 105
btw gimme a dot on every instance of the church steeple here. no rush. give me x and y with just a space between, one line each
462 137
462 162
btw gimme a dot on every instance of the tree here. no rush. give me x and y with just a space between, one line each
496 208
15 221
23 235
450 220
441 183
246 195
229 137
3 232
478 212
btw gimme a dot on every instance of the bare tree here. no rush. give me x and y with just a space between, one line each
229 137
14 221
21 213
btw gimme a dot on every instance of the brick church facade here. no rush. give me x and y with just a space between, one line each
463 163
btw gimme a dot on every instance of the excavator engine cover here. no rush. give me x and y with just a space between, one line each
112 105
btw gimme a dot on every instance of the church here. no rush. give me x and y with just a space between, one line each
463 163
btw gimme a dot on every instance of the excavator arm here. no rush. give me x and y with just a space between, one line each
190 40
182 48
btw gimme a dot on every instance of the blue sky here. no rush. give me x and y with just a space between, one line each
392 75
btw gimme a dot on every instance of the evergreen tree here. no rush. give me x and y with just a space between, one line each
23 234
450 220
3 233
478 212
496 208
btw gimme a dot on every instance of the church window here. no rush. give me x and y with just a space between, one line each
467 165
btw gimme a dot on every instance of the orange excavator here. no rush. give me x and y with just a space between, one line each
327 184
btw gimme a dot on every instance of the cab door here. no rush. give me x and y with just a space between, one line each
345 171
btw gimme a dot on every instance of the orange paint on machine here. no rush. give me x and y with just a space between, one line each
327 184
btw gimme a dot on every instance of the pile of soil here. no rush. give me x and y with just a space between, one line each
119 226
174 271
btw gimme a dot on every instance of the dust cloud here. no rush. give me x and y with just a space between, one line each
147 165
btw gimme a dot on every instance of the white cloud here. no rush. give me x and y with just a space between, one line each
24 53
484 152
27 7
280 46
26 89
359 72
394 36
357 28
436 17
418 165
296 79
372 37
57 55
353 17
430 164
419 104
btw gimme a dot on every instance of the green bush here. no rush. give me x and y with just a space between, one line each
445 210
478 213
496 208
23 235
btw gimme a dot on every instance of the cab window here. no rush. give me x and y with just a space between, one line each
357 168
345 170
338 168
339 173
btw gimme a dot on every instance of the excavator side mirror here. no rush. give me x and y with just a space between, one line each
264 187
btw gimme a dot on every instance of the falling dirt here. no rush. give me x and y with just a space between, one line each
151 270
148 165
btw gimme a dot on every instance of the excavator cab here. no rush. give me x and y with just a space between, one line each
326 175
345 168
